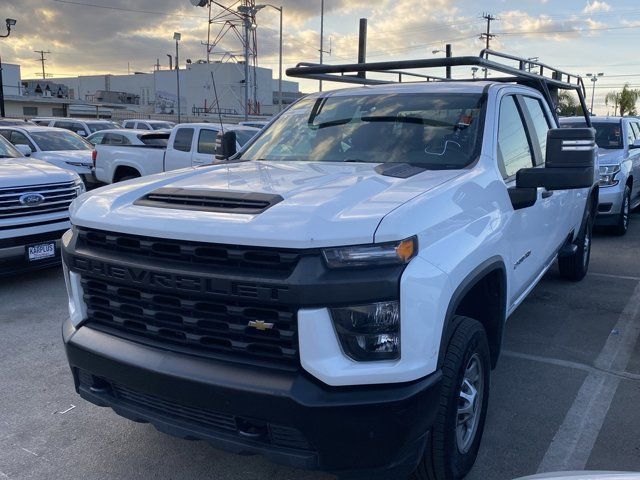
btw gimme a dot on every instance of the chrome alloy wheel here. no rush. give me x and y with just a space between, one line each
470 403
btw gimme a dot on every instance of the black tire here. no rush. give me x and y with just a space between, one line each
575 267
625 213
447 456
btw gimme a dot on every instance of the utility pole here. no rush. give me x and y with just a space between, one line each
487 36
448 54
321 35
42 60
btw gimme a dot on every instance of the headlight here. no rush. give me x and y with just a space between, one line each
369 332
79 185
376 254
608 175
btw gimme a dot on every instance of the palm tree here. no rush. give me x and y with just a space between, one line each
614 98
628 99
568 105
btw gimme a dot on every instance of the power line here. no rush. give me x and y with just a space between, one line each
122 9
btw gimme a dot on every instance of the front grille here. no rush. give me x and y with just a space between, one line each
200 418
194 323
210 200
31 239
56 198
193 253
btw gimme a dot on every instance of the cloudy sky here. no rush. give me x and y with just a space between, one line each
110 36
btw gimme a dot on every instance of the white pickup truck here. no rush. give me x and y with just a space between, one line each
190 145
34 210
334 296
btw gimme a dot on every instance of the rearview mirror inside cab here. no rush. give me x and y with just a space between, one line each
570 160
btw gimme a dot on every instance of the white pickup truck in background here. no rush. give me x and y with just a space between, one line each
190 144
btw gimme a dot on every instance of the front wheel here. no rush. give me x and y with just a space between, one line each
454 439
575 266
625 213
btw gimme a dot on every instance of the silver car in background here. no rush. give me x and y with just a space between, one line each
618 140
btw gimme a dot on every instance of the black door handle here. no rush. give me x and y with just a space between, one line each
547 193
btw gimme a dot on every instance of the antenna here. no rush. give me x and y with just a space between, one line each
215 92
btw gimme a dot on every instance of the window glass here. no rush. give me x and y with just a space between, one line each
514 152
96 138
630 135
7 150
5 133
18 138
434 131
162 125
30 111
115 139
129 124
183 139
243 136
608 134
636 129
207 141
143 126
56 141
154 140
97 126
540 123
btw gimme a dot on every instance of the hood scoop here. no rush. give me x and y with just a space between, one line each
209 200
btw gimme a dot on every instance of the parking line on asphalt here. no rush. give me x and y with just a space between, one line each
558 362
608 275
572 445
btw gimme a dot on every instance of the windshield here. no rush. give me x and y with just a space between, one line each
243 136
97 126
162 126
55 141
430 130
7 150
608 134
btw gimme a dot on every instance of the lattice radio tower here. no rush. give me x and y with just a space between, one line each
235 19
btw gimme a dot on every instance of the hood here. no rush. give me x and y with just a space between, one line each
322 204
66 156
610 157
18 172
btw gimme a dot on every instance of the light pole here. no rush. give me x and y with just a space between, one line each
279 9
594 78
177 36
10 23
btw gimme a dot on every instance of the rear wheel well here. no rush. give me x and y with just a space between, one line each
123 172
482 299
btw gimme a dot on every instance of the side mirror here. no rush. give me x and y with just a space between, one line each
228 146
570 161
82 133
635 144
24 150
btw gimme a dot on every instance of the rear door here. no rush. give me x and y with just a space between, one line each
205 148
179 150
529 228
563 207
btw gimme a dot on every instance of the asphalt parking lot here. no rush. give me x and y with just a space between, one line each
564 396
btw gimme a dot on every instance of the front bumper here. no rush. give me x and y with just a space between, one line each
13 253
356 432
609 204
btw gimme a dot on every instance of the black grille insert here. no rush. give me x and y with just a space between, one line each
210 200
194 323
196 253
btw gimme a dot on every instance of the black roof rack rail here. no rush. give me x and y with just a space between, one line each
548 80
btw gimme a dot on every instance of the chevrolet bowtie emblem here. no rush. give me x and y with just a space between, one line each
260 325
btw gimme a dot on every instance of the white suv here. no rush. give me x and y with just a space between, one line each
334 295
34 210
